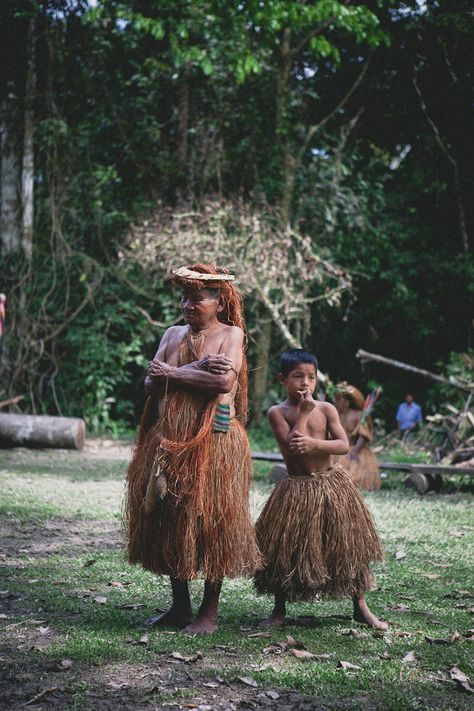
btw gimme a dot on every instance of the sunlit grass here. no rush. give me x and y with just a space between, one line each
424 592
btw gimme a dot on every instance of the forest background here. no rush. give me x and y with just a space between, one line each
321 149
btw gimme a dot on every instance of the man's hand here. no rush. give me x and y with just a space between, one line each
158 369
301 443
306 403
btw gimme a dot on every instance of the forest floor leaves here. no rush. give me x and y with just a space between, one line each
72 608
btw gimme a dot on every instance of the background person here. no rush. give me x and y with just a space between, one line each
409 415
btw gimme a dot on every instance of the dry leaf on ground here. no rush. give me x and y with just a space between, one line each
293 643
438 640
186 658
100 600
461 679
400 553
63 665
272 695
301 653
351 632
248 681
347 665
409 657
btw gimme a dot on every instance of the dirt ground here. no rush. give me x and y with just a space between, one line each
31 681
35 685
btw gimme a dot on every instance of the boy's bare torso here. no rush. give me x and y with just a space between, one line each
317 428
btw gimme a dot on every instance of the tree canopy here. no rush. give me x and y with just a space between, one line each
331 131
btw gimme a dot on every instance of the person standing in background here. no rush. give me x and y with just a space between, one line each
409 416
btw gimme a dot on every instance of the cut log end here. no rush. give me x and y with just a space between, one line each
423 483
18 430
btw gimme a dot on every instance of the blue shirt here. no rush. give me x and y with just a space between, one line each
408 415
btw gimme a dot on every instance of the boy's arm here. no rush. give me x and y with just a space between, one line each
280 428
303 444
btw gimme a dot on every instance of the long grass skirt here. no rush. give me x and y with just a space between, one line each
366 472
184 539
317 536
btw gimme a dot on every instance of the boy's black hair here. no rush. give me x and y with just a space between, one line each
289 360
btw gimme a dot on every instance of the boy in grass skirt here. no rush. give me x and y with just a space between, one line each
315 532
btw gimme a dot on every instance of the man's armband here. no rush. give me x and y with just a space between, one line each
222 418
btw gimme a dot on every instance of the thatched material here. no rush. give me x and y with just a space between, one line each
317 536
202 524
366 472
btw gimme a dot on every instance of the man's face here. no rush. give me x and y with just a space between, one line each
200 306
301 378
409 399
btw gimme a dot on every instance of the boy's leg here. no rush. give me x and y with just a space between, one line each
180 613
206 619
277 618
363 614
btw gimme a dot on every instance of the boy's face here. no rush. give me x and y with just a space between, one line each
302 377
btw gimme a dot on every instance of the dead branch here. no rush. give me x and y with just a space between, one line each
11 401
365 356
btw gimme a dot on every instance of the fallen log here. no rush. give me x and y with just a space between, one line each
17 430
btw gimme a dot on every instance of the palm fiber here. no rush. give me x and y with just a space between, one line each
317 537
202 525
365 472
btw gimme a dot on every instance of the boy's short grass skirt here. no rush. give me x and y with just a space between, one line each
317 537
365 472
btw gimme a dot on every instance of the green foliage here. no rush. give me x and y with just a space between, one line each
269 114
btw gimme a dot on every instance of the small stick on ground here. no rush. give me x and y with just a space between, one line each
41 694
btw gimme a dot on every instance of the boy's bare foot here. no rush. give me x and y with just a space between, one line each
275 620
203 624
170 618
363 614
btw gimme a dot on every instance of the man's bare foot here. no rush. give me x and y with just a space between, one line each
170 618
202 624
363 614
276 619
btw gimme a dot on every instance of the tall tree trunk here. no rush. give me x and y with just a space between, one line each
183 127
10 231
28 148
285 58
260 375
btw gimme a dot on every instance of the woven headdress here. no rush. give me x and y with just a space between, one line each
353 395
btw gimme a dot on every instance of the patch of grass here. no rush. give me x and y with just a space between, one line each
424 590
402 453
262 438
